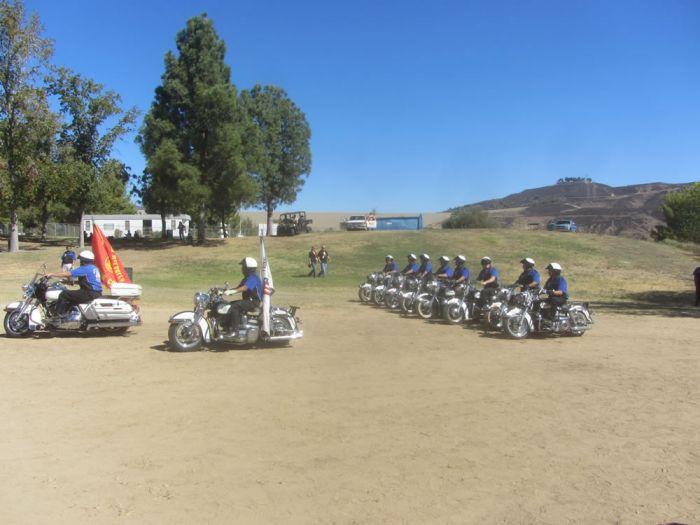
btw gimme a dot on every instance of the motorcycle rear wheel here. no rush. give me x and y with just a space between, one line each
406 305
578 320
14 326
392 301
185 337
424 308
517 327
378 297
365 294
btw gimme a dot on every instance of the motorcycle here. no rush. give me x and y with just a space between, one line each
209 322
380 289
429 303
392 295
412 287
457 306
529 315
365 292
115 312
493 320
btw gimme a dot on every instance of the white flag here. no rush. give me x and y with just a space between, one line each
268 290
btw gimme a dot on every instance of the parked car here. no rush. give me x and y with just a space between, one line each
564 225
360 222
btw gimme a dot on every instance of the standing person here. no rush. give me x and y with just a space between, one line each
89 280
325 259
181 230
529 278
696 275
68 259
251 290
312 261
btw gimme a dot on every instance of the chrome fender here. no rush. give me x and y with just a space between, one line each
36 315
188 317
11 307
517 312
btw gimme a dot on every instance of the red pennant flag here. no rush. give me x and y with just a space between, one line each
107 260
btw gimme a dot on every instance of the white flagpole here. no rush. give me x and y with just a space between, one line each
266 276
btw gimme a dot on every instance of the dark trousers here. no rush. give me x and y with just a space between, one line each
697 294
70 298
555 301
238 308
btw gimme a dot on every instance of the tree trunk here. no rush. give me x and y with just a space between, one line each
14 236
201 234
164 231
270 210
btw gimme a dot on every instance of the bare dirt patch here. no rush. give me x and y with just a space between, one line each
371 418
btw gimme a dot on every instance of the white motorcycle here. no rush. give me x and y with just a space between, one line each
114 312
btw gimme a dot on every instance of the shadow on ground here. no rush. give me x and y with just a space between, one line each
665 303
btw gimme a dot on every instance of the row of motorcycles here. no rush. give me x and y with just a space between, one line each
509 309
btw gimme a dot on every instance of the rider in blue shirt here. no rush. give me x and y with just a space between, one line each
529 278
445 270
425 267
488 276
556 287
89 280
390 265
461 273
412 266
251 290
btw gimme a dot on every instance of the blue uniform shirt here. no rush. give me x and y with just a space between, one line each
462 271
68 257
445 268
487 273
528 277
412 266
425 267
89 275
390 267
254 285
557 283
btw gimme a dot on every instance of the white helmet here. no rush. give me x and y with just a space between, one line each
554 266
87 255
412 256
460 259
444 258
390 257
249 263
528 260
486 259
425 256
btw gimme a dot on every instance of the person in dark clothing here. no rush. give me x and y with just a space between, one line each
696 275
313 261
324 258
251 290
557 289
488 277
89 279
68 259
529 278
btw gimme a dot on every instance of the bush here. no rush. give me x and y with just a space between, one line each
682 212
468 218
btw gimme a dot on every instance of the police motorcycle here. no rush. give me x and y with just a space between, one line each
209 322
114 312
493 320
457 306
379 291
392 295
412 286
374 279
529 314
429 303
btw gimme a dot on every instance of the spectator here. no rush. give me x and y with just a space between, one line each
181 230
68 259
325 259
313 260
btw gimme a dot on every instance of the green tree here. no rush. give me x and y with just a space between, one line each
282 152
94 121
682 211
23 55
193 134
468 218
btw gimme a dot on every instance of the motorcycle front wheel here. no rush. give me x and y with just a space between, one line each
453 313
16 326
185 337
424 308
517 327
365 294
392 301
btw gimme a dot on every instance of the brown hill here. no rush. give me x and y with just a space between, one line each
627 210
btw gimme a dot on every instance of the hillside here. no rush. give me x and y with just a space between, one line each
597 208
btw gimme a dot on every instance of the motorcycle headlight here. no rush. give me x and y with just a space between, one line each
25 287
449 293
201 299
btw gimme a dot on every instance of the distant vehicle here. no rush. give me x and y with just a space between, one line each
293 223
565 225
360 222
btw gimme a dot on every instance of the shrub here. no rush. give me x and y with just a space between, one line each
468 218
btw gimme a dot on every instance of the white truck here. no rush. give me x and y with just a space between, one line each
360 222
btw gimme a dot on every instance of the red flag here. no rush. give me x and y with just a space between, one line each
107 260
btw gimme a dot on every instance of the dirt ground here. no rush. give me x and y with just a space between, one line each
371 418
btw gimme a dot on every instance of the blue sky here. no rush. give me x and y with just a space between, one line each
421 106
